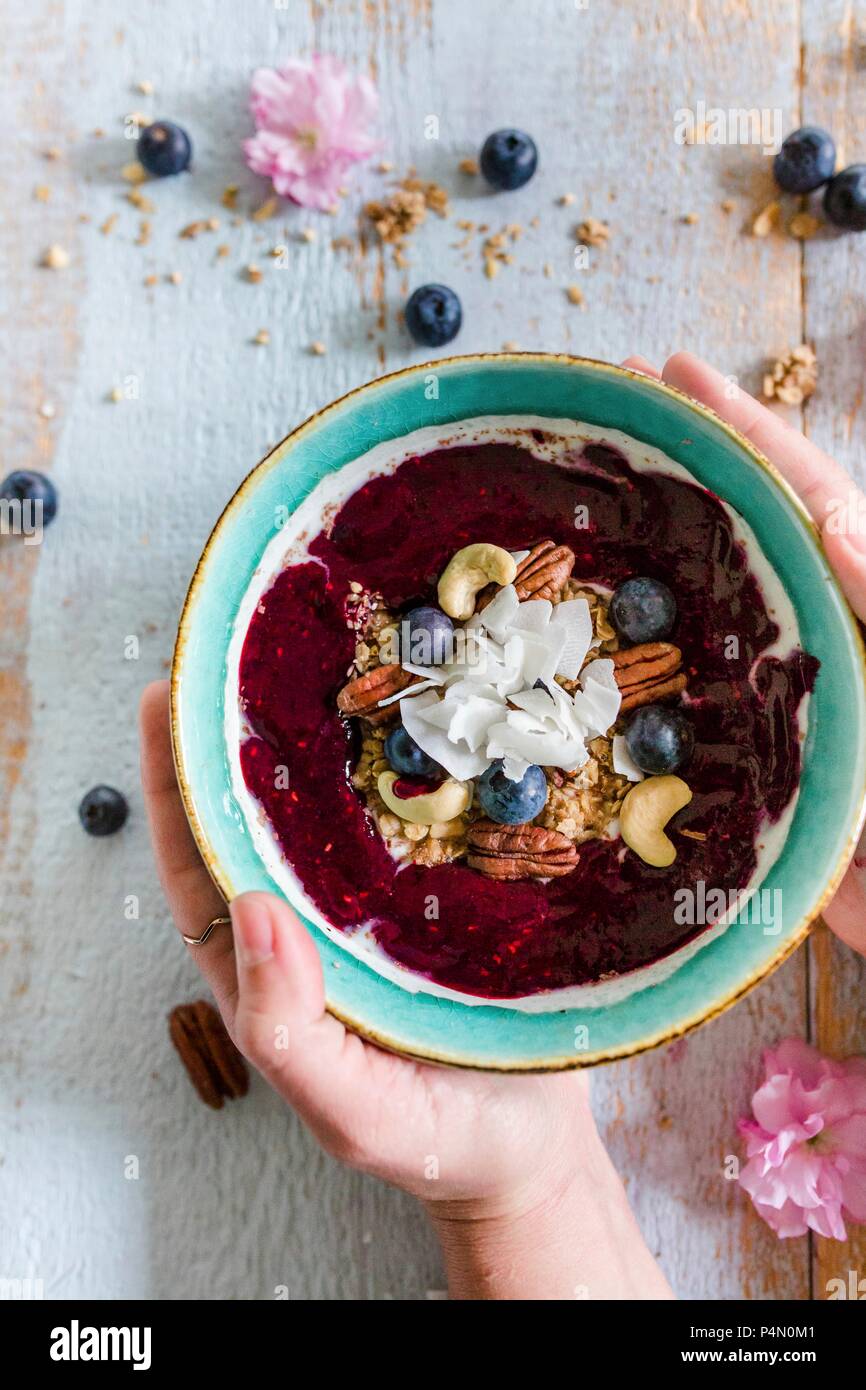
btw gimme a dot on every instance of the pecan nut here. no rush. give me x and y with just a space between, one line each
544 571
519 851
215 1067
362 695
648 672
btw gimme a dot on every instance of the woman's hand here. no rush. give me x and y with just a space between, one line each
827 491
510 1168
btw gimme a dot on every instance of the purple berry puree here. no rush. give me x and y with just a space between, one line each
395 536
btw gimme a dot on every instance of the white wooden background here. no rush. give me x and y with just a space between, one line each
230 1205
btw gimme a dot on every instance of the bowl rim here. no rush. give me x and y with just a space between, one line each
220 879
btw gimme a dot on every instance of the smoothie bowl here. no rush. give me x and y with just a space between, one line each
525 680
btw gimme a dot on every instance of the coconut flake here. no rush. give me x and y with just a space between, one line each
574 619
597 703
457 759
623 762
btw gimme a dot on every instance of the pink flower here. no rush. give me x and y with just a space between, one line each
312 123
807 1142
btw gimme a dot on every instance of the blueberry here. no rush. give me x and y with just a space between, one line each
426 637
643 610
659 739
103 810
163 148
805 161
25 486
407 758
433 315
845 198
511 803
508 159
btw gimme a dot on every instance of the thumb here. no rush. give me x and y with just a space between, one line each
846 552
280 985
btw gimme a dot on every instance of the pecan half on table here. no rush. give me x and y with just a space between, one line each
519 851
215 1067
648 672
362 696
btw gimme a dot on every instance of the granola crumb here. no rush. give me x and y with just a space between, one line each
109 224
728 204
140 200
469 166
150 280
133 172
804 226
547 269
269 208
222 251
690 218
766 219
42 193
56 258
262 338
52 154
115 395
575 294
145 87
174 278
384 166
253 274
510 346
792 379
592 232
143 233
229 197
307 234
318 349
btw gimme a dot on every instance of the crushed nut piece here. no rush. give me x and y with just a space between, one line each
565 199
174 278
468 166
151 280
56 258
262 338
766 219
307 234
253 274
145 87
192 230
792 379
575 294
690 218
318 349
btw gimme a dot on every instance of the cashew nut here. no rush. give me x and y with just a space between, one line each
468 571
450 799
646 811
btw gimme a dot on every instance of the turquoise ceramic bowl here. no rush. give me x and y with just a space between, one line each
830 807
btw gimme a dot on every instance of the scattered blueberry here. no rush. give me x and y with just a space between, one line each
805 161
643 610
508 159
426 637
407 758
164 148
433 315
511 803
25 486
103 810
659 739
845 198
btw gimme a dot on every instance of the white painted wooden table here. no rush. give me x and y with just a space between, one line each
231 1205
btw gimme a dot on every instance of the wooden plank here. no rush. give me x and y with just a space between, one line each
835 287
